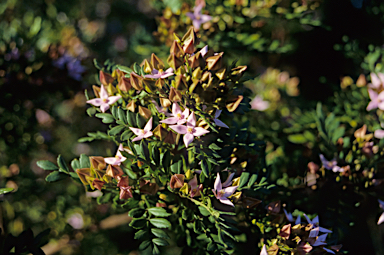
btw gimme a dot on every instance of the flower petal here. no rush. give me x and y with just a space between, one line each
205 18
113 99
375 81
104 107
136 131
191 120
229 191
379 134
264 250
137 138
217 113
226 201
111 161
188 138
198 131
180 129
217 186
228 181
328 250
220 123
95 102
381 219
170 121
175 109
148 126
148 134
103 92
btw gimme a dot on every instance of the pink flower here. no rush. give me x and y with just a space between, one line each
377 100
189 131
217 121
116 160
259 104
381 219
379 134
142 133
330 165
195 189
160 109
198 18
156 74
377 81
223 194
104 101
264 250
178 117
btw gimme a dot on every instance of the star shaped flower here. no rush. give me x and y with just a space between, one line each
156 74
142 133
197 17
116 160
223 194
217 121
189 131
178 117
104 101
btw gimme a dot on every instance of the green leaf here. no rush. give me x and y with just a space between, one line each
138 223
105 198
55 176
140 234
144 245
204 211
155 250
105 117
75 164
131 119
85 139
339 132
84 161
243 179
5 190
159 233
252 180
160 223
158 211
62 165
121 115
126 135
297 138
205 168
140 121
160 242
46 165
136 213
91 111
115 130
125 69
214 147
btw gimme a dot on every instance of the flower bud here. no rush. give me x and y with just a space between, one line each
174 95
150 84
97 162
196 61
145 112
160 132
84 175
114 171
221 74
180 83
177 181
147 67
105 78
136 81
123 181
96 90
126 192
249 202
233 103
177 50
131 106
237 72
98 184
215 62
156 62
124 84
361 81
174 61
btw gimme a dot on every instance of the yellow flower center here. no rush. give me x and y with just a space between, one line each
105 100
178 115
189 130
142 131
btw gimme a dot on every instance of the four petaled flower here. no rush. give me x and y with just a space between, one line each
178 117
142 133
116 160
156 74
189 131
223 194
104 101
197 17
377 100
